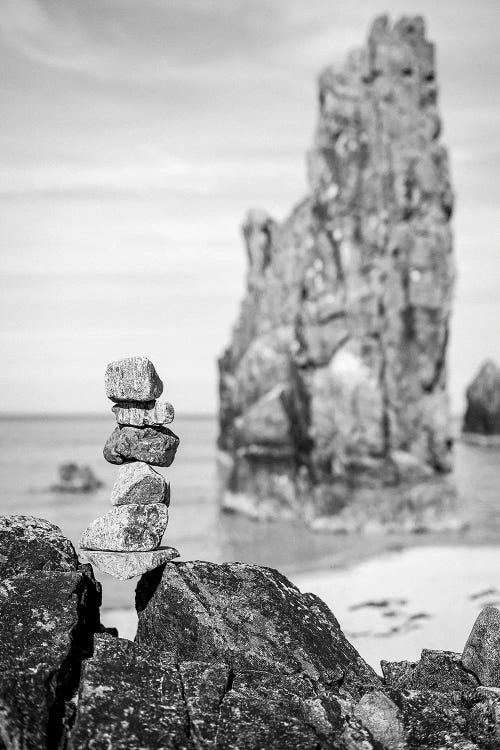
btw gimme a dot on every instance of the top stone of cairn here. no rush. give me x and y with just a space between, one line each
132 379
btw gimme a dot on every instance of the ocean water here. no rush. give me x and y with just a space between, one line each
31 450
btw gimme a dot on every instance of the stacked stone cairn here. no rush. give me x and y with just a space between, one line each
125 542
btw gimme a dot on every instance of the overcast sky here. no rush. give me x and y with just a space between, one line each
135 135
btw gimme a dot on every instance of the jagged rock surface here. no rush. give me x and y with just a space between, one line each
242 615
481 654
272 669
49 609
482 416
333 390
127 528
153 445
138 483
132 379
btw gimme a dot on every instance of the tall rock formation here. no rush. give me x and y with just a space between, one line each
333 402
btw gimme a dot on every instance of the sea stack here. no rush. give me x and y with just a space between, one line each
125 542
333 390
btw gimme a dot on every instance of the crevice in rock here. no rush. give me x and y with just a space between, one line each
63 684
189 723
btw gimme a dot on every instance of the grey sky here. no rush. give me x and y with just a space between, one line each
135 135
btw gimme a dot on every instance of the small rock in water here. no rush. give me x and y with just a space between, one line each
140 484
132 379
481 654
127 528
153 445
144 415
75 478
124 565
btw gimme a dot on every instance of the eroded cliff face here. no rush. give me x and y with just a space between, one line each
333 402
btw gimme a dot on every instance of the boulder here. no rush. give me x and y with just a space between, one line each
153 445
129 699
132 379
138 483
29 544
249 617
338 358
127 528
481 654
482 416
380 715
149 414
49 610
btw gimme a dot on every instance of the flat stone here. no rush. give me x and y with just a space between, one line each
481 654
139 484
153 445
132 379
127 528
149 414
124 565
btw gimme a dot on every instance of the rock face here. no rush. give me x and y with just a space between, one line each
226 657
49 610
132 379
153 445
139 483
333 401
127 528
242 615
482 416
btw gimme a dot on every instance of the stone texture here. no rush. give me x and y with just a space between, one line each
243 615
139 483
49 609
333 390
481 654
128 700
125 565
482 415
153 445
380 715
29 544
132 379
144 415
441 671
127 528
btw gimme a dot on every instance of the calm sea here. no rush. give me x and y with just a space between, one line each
31 450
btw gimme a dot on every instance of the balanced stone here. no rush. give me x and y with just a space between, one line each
154 445
148 414
124 565
132 379
139 483
481 654
127 528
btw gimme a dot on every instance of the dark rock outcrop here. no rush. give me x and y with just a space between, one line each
49 610
482 416
76 478
226 657
333 401
242 615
